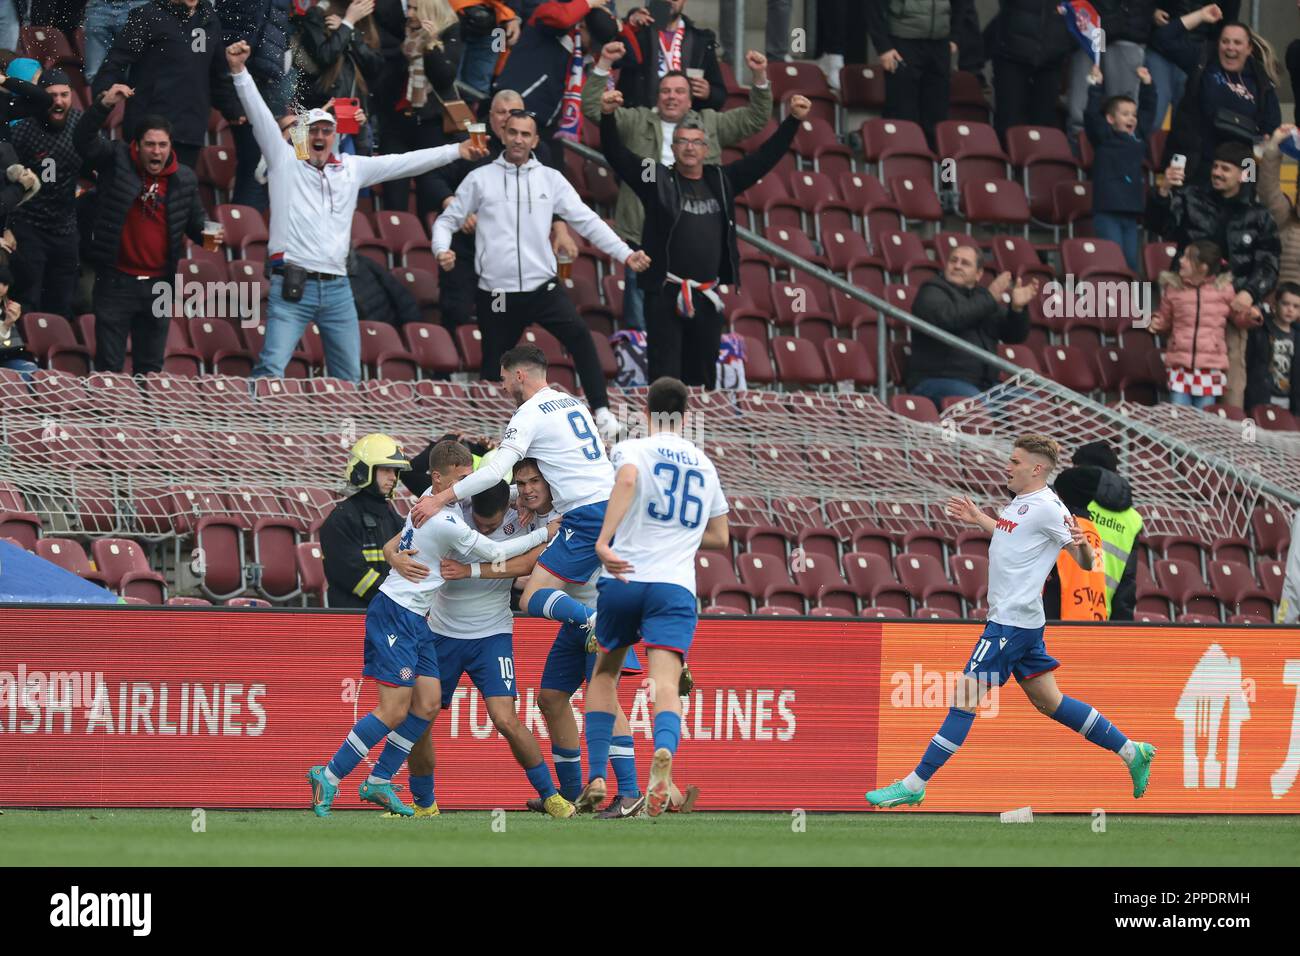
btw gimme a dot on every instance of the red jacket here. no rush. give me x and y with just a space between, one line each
1196 318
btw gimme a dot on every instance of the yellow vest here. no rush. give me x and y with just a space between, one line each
1118 530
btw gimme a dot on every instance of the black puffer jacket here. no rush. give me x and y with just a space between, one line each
379 297
1031 32
638 80
119 186
264 25
970 314
1240 226
319 49
156 55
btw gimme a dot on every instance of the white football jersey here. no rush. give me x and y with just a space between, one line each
472 608
677 492
443 534
558 431
1030 533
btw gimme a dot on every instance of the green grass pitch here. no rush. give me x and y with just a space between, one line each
292 837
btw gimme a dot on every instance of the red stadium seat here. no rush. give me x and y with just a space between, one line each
50 338
1237 588
1071 204
68 554
221 540
1100 258
220 346
862 87
1043 156
860 191
1158 257
470 342
1274 419
873 579
275 544
1271 533
1272 575
971 572
914 407
924 579
916 199
1017 256
1183 581
383 352
995 202
126 569
973 148
245 230
798 361
311 571
847 361
897 147
432 347
1068 365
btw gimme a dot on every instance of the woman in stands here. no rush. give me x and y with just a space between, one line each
408 105
1231 91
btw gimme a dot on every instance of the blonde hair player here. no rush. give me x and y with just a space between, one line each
1027 536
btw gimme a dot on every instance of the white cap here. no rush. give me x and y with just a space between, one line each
320 116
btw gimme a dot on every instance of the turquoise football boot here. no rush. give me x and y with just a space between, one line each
385 796
1140 768
322 791
895 795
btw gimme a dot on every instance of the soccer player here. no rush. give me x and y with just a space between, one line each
568 665
400 652
666 505
1026 538
558 431
474 633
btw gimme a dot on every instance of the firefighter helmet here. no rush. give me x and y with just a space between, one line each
371 452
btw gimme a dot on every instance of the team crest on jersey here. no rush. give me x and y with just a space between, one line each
1023 509
405 673
508 529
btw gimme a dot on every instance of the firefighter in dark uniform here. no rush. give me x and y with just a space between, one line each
352 538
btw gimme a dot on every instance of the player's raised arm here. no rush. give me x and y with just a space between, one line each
487 475
963 509
484 548
620 499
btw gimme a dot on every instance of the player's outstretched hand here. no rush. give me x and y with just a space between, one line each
405 564
963 509
453 570
638 261
613 563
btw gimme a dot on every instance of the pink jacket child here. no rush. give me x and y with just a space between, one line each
1194 310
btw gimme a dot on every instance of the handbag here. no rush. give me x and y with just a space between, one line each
456 114
1229 124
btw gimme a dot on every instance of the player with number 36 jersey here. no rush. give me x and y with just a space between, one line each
667 503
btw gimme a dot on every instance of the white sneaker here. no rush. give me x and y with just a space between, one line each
608 426
831 64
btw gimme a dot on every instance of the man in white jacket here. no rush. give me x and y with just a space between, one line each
513 200
312 202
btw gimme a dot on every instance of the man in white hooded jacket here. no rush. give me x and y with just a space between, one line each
511 202
312 202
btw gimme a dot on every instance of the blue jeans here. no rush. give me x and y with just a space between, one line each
477 63
327 303
1121 228
633 303
937 389
1195 401
24 367
1169 82
9 24
104 21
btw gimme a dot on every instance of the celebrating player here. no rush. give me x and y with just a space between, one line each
1026 539
666 505
400 651
473 633
568 664
558 431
